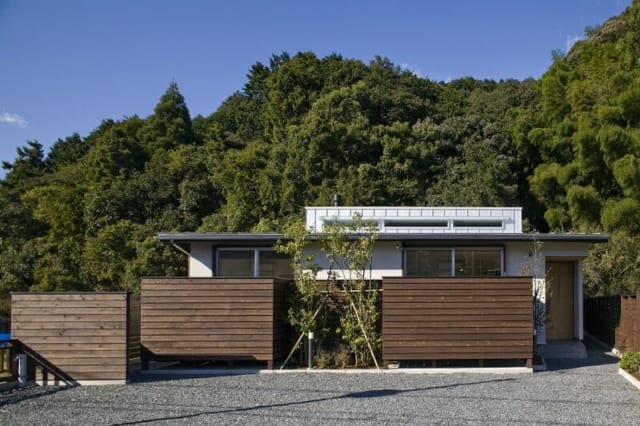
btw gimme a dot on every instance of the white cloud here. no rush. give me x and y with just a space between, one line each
571 40
412 70
6 117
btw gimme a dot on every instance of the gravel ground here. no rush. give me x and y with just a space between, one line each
570 393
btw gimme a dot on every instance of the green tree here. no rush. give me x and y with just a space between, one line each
29 164
66 152
107 256
352 260
613 268
170 124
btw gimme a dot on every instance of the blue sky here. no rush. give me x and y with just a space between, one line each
66 65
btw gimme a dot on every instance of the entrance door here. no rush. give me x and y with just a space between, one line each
559 300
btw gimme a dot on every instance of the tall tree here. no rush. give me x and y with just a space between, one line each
170 124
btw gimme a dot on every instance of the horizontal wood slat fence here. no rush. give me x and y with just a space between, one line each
457 318
134 358
213 319
615 320
628 332
601 317
101 336
82 337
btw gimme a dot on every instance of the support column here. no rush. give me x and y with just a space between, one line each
579 301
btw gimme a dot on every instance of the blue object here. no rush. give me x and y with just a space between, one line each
4 339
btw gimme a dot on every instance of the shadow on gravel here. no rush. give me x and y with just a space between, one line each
172 370
13 396
597 354
377 393
150 377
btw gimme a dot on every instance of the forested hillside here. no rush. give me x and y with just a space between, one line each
566 148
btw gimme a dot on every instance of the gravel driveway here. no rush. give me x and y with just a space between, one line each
570 393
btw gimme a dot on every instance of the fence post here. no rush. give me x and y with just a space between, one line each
310 351
22 370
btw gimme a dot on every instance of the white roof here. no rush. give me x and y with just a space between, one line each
423 220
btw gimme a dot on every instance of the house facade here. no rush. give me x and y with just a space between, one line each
422 242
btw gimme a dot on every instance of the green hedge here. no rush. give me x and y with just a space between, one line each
630 362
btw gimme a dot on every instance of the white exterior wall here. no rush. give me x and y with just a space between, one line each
519 260
387 261
201 260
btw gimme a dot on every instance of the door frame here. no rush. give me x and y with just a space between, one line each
576 293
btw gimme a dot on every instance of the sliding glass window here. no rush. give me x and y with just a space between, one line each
274 264
236 263
253 263
428 263
478 263
453 262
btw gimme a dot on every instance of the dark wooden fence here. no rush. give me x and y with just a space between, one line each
134 358
213 319
628 331
77 337
601 317
615 320
457 318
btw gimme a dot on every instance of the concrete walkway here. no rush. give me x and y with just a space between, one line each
588 391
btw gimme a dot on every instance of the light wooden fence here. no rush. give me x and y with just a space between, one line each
78 337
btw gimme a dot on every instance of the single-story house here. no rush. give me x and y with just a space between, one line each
423 242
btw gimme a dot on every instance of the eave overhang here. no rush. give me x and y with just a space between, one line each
271 238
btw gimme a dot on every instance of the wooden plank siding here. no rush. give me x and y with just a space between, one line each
457 318
213 318
134 357
83 335
628 330
615 320
601 317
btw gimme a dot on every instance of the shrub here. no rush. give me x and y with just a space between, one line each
323 358
342 357
630 362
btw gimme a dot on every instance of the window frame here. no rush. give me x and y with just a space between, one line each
246 249
452 250
256 258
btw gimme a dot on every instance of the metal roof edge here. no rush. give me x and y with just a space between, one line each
217 236
264 237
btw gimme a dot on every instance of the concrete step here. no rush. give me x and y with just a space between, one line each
565 349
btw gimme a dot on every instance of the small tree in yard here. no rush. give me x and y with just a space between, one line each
531 266
349 250
352 259
308 303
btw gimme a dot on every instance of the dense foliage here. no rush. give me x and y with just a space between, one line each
566 148
343 305
630 362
